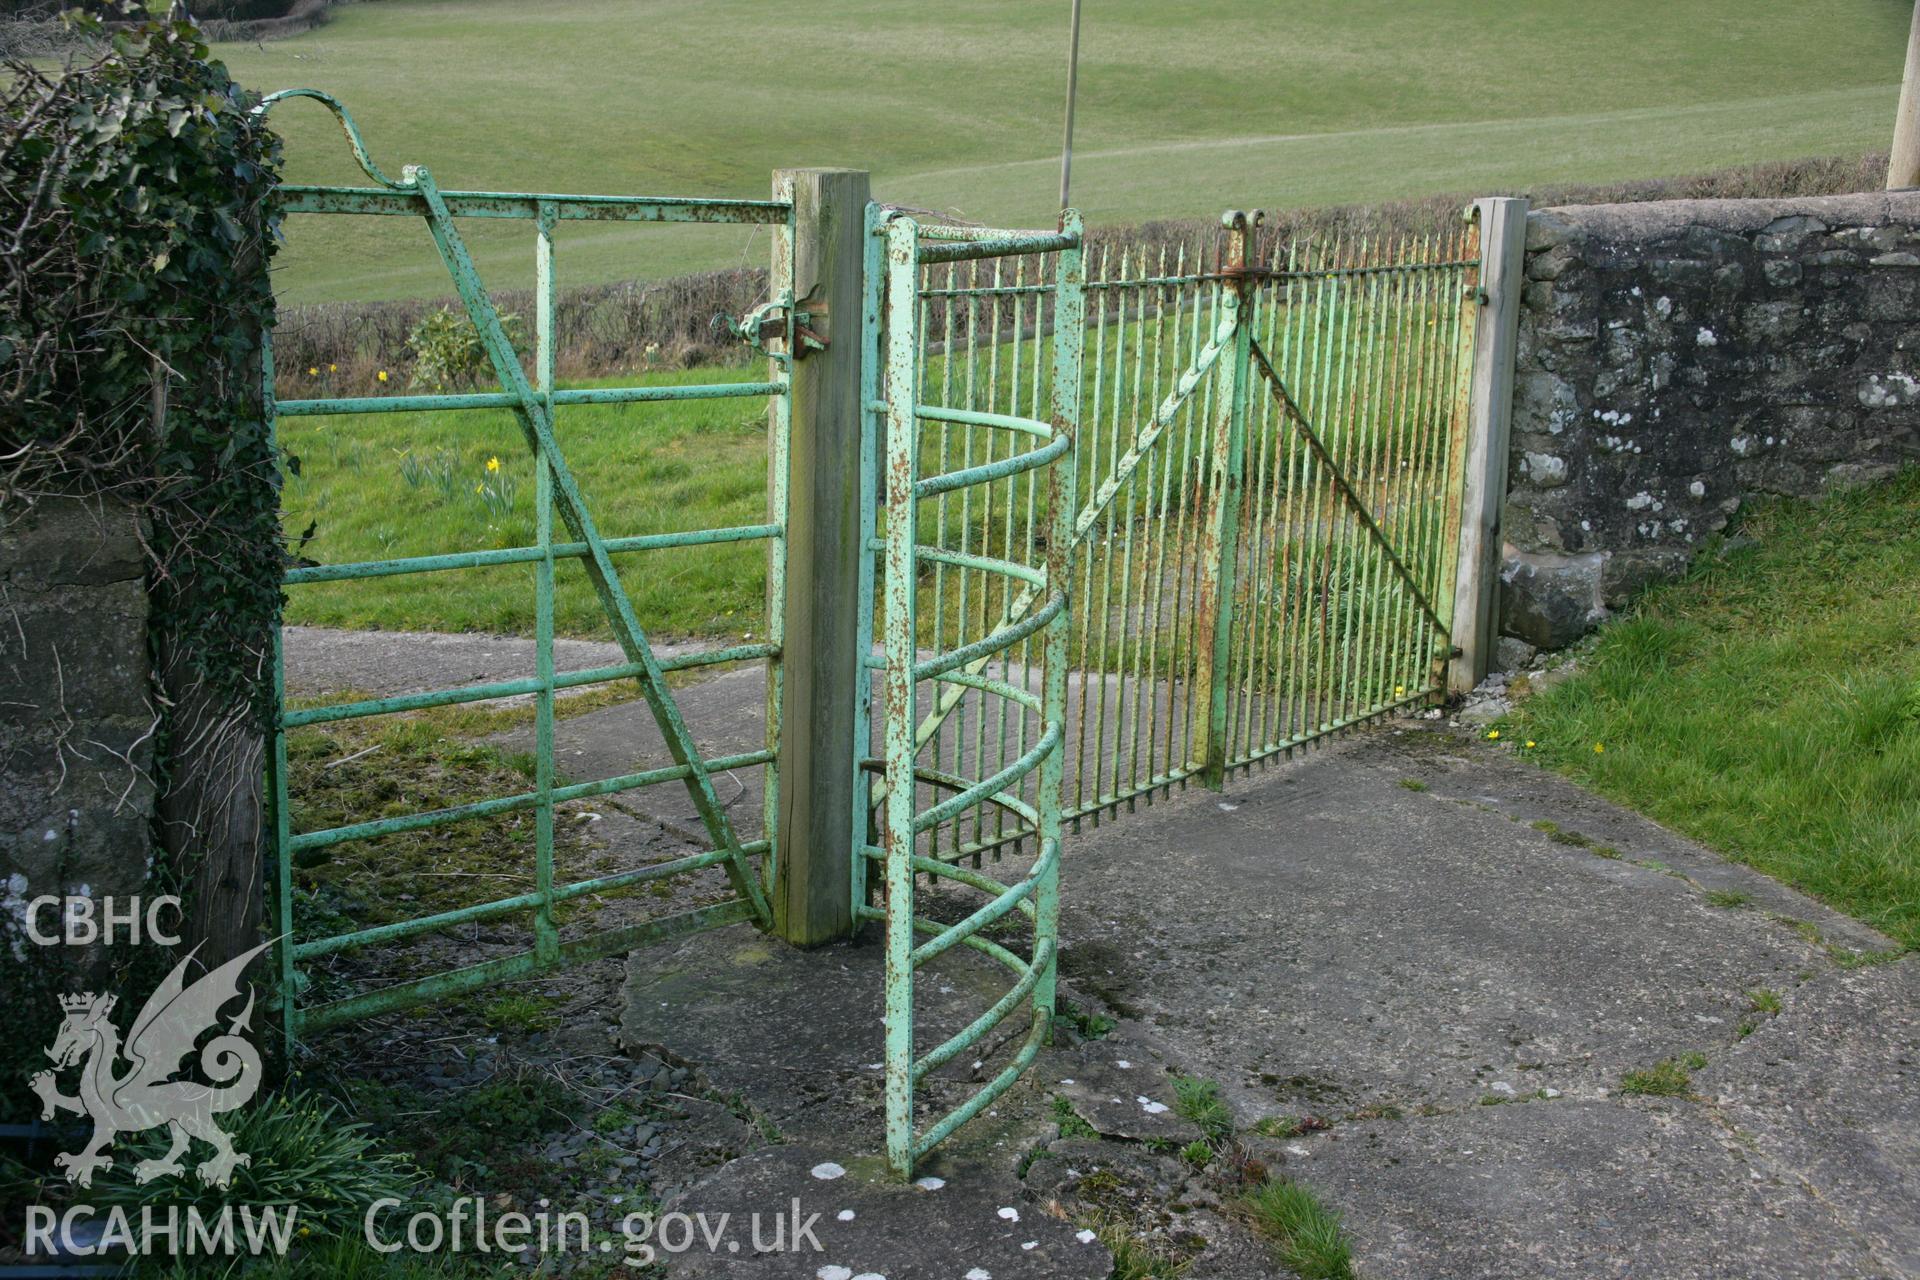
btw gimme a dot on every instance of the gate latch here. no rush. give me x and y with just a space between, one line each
769 320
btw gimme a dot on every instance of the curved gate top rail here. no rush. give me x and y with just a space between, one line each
751 865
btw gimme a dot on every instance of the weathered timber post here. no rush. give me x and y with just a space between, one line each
1503 247
1219 557
1903 164
819 260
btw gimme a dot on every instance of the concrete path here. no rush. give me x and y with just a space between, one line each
1448 997
1375 941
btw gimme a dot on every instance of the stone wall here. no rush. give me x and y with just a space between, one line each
76 713
1678 358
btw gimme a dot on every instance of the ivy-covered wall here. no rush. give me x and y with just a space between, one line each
136 226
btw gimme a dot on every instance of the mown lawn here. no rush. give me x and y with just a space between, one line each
1769 705
1185 109
379 486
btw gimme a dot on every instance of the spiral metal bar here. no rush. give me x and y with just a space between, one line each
897 408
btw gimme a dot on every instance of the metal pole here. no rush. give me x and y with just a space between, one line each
1073 85
1903 165
1220 554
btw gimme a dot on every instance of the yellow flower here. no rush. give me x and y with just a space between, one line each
383 375
1493 733
333 368
493 463
312 372
1399 689
1598 747
1530 742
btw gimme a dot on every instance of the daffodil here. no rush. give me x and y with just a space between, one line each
493 463
312 372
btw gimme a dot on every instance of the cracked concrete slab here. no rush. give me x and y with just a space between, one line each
1573 1189
1374 950
1828 1092
1448 998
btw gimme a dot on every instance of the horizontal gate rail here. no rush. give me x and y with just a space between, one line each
533 402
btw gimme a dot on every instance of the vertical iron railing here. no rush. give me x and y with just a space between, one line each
750 865
1268 473
976 557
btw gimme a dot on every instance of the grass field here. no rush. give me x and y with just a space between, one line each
381 486
1184 109
1770 706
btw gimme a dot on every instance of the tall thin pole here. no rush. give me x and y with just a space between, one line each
1073 84
1903 165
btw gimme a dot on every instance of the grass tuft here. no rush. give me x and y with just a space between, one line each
1070 1122
1667 1078
1310 1237
1199 1100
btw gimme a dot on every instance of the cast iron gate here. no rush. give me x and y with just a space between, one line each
1213 521
1269 469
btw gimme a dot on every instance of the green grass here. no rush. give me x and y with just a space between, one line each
1199 1100
1667 1078
379 486
1184 110
1309 1236
1070 1121
1769 706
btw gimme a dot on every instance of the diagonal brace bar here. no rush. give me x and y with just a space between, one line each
1299 419
536 419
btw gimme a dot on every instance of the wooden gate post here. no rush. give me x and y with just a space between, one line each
1903 161
1503 260
816 697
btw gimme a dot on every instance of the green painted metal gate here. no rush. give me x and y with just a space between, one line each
974 552
1269 487
749 862
1123 528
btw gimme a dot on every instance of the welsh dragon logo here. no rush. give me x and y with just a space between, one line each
146 1094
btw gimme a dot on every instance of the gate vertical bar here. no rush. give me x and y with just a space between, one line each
546 938
1220 551
873 422
814 583
1063 509
897 686
1503 236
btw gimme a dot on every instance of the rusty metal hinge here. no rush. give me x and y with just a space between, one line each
770 321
